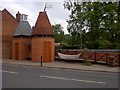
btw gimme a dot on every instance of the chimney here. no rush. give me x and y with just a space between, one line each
18 15
23 17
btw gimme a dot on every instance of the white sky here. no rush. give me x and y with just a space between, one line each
57 14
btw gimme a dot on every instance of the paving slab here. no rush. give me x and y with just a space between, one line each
65 65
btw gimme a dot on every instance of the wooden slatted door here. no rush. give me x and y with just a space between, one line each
47 51
16 51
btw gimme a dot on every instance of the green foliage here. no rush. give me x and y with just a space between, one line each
87 63
95 24
101 44
59 33
69 42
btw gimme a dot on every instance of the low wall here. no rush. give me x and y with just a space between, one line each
95 55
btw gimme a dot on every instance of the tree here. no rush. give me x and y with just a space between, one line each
97 23
59 33
75 22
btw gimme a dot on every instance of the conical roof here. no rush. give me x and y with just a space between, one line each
23 29
42 25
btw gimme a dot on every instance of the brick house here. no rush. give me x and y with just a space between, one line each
8 26
36 43
42 39
21 42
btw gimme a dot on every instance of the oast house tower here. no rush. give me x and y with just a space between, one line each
42 39
21 44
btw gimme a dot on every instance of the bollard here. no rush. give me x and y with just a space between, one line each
111 61
41 60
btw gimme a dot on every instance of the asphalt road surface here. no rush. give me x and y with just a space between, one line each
16 76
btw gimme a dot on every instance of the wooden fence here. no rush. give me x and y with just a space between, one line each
95 56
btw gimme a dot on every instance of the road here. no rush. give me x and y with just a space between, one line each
16 76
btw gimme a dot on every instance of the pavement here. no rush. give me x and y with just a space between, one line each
64 65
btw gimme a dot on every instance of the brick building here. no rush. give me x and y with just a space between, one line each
21 42
7 26
36 43
42 39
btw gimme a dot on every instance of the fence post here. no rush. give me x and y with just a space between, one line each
41 61
95 57
111 61
119 59
107 58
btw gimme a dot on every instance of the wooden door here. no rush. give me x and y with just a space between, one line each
16 51
47 51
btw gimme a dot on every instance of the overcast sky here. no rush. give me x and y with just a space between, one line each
55 10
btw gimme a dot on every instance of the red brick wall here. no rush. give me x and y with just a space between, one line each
9 24
23 49
40 49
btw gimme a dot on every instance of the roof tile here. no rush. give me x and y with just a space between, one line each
23 28
42 26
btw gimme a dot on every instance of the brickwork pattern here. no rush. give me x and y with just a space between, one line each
9 24
39 49
23 49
